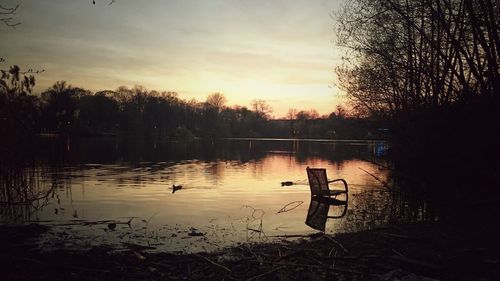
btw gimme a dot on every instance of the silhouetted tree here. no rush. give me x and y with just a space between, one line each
136 111
432 69
409 56
261 107
216 100
340 112
60 107
18 109
313 113
99 114
292 115
212 122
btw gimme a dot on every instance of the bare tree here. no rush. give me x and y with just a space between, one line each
313 113
291 114
216 100
303 115
340 112
409 55
261 107
14 82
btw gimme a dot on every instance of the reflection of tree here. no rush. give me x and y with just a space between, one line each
215 171
379 207
22 192
369 209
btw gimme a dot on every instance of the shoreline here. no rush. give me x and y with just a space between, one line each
432 250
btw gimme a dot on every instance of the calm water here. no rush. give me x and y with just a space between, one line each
231 190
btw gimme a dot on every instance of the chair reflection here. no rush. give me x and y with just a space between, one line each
317 214
322 197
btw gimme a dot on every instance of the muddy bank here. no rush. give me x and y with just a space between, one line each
424 250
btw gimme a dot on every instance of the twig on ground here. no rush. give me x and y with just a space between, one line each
137 247
313 266
398 253
289 255
415 262
84 222
214 263
337 243
400 236
332 251
334 255
265 273
65 266
292 236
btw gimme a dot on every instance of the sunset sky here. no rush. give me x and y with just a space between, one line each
281 51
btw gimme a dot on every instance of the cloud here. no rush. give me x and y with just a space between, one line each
276 50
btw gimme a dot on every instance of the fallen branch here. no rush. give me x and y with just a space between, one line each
378 164
415 262
331 251
337 243
289 255
137 247
294 204
398 253
394 258
65 266
265 273
292 236
384 184
254 230
400 236
313 266
83 222
214 263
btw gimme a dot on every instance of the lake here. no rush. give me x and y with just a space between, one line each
231 190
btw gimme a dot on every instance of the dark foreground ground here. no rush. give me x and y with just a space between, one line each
423 251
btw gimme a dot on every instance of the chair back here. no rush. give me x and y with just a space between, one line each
318 182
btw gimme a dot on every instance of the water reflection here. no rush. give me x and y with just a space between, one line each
231 189
319 208
24 191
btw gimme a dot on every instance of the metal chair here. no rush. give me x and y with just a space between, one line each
322 197
319 184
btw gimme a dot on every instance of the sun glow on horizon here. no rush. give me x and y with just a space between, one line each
278 51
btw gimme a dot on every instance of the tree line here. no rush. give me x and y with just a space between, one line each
64 109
